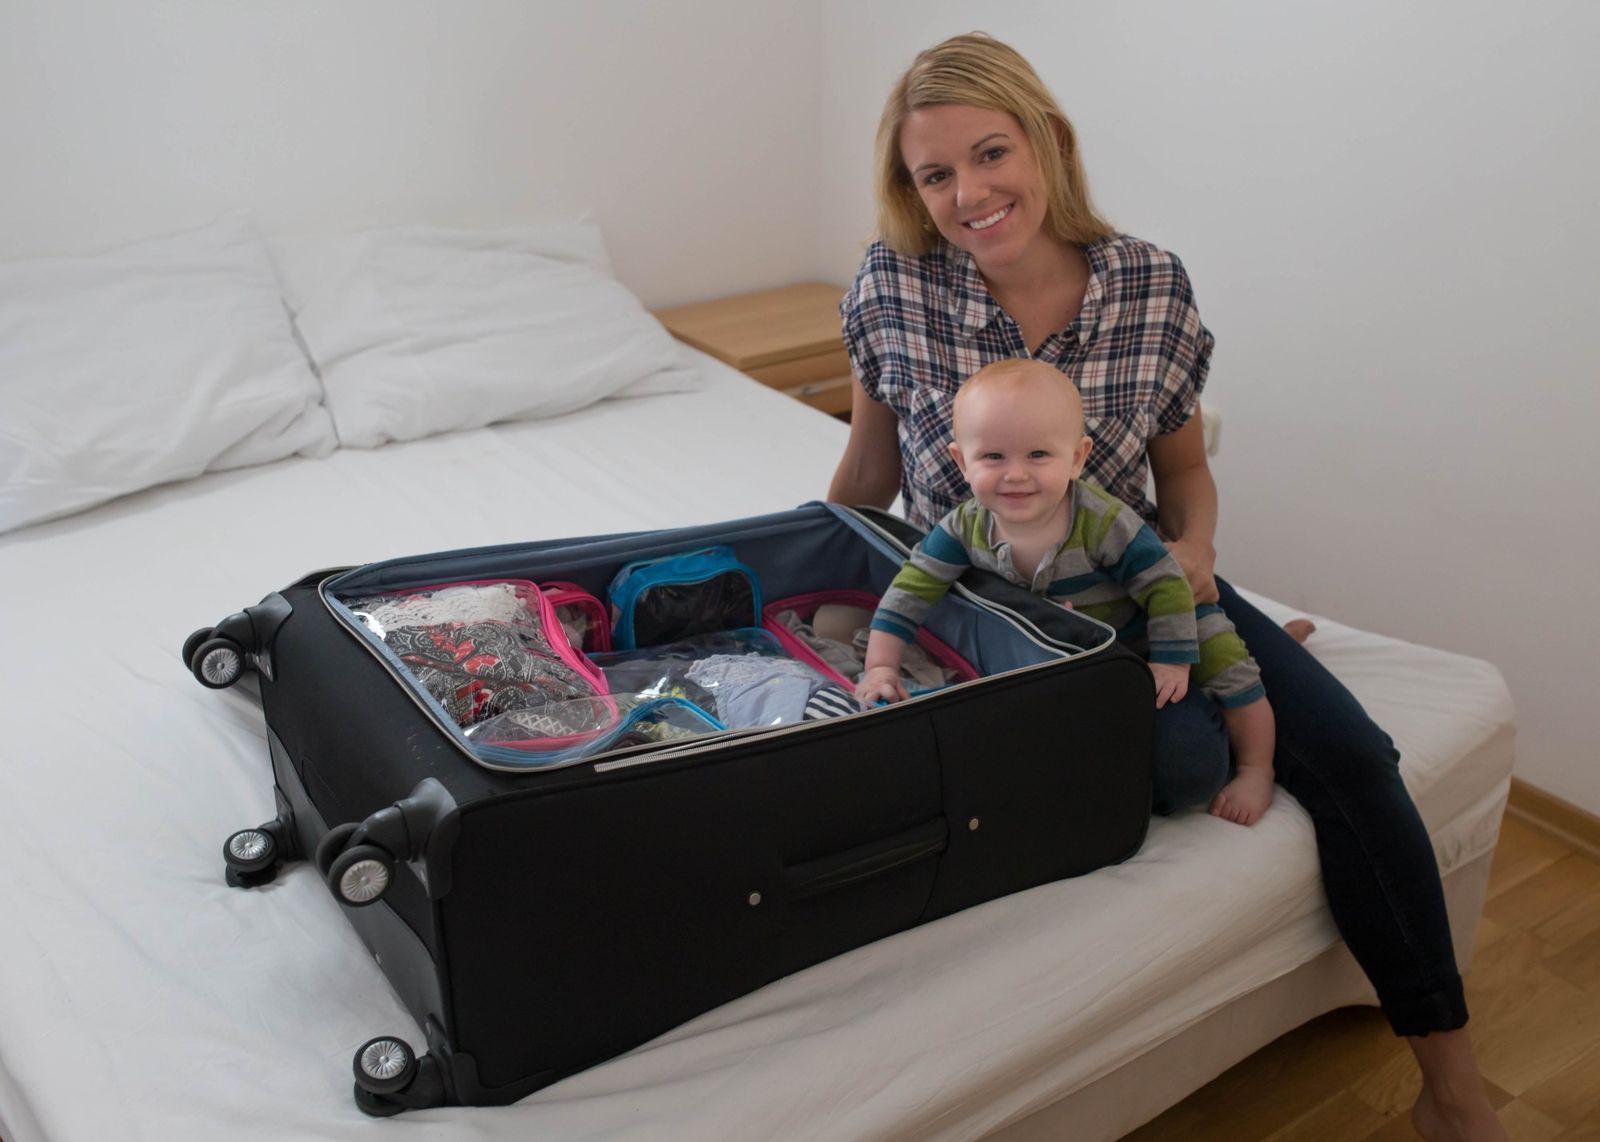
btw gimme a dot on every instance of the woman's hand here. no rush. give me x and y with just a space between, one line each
1199 562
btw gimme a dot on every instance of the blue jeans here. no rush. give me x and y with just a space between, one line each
1377 863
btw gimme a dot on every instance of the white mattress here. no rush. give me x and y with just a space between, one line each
141 998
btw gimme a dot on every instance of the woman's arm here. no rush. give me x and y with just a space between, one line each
869 471
1186 503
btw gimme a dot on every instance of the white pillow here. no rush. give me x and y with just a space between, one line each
144 364
431 330
310 263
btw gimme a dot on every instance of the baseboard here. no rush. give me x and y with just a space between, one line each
1560 819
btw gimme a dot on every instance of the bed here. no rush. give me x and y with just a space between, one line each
142 998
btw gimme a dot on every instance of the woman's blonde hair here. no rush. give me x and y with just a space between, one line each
977 70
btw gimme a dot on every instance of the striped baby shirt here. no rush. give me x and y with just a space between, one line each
1111 567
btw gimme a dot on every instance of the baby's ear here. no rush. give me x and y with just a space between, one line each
1080 456
955 454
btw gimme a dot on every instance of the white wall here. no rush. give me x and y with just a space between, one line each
1390 214
689 129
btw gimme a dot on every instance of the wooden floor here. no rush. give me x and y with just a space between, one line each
1534 994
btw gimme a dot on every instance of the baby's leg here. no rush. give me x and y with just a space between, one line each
1253 733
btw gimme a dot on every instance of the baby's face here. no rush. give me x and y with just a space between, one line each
1020 447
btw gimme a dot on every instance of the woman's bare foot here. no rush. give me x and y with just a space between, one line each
1454 1106
1246 797
1459 1123
1299 629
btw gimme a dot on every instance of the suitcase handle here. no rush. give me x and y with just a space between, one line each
825 874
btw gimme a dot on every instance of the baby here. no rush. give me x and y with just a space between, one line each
1020 443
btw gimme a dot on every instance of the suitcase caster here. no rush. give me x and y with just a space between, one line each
217 663
361 875
192 644
356 876
358 859
331 845
384 1065
390 1078
252 857
218 656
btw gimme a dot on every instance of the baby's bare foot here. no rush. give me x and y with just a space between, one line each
1299 629
1246 797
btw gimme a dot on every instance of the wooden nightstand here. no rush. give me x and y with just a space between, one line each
787 338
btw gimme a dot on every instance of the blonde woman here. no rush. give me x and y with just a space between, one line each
989 248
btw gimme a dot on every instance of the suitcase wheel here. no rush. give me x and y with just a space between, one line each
218 663
192 644
361 875
332 844
384 1065
251 857
391 1078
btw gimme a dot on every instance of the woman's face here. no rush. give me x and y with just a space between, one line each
979 180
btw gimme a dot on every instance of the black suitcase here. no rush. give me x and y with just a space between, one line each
536 922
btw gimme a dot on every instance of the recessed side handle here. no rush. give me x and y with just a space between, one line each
825 874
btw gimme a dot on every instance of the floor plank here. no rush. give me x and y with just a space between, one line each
1343 1118
1529 1124
1579 965
1394 1129
1534 993
1521 852
1391 1088
1271 1088
1570 1093
1527 1022
1578 917
1586 1129
1565 886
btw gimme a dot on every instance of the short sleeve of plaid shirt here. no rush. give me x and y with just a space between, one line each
915 328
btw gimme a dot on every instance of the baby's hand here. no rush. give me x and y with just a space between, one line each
880 682
1172 681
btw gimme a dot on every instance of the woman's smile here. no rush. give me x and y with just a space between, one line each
990 220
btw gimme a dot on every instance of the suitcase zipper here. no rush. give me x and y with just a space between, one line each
726 739
405 680
1025 624
1028 630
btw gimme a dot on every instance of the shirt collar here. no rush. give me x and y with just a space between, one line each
1094 295
970 305
967 297
986 522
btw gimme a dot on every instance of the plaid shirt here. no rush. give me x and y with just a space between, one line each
917 327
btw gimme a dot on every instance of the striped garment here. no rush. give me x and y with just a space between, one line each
916 328
1111 567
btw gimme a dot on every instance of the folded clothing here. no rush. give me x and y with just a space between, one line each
485 649
753 690
740 677
837 634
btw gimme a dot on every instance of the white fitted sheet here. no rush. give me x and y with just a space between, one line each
141 998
